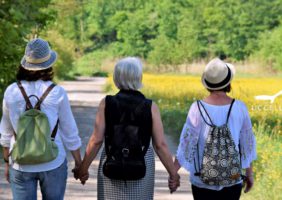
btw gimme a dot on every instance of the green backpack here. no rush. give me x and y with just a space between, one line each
34 142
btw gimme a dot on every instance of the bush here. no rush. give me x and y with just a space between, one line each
91 64
270 48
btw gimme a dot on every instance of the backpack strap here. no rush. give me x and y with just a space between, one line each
229 111
199 107
37 106
54 132
39 101
28 105
138 110
48 90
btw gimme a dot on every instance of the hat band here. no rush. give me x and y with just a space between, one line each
224 82
37 60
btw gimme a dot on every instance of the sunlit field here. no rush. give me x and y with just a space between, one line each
175 93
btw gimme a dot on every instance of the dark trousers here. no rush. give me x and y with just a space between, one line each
227 193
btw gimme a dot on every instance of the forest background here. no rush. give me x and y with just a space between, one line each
175 38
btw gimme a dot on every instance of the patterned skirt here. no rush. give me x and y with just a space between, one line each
142 189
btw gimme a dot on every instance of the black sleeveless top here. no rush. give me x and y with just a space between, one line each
127 101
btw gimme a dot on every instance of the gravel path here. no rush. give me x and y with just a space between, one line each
85 95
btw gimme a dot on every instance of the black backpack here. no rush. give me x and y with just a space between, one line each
125 146
221 161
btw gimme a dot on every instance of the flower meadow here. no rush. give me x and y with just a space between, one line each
175 93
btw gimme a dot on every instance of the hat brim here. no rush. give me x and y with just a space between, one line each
40 66
232 69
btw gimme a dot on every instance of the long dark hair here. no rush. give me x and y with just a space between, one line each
28 75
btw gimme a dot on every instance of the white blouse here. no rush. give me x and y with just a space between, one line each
195 131
56 106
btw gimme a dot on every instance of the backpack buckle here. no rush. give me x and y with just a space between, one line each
125 152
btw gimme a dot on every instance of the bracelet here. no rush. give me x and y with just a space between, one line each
6 160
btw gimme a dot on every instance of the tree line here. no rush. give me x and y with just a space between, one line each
169 33
165 33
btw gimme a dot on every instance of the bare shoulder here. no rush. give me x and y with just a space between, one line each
102 104
154 108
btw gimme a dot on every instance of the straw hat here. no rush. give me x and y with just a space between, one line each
38 55
217 74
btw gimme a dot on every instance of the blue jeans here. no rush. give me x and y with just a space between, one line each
52 183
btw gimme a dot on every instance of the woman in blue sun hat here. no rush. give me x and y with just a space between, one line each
34 77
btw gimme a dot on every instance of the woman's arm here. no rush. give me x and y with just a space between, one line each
248 148
177 166
6 160
77 157
7 131
249 179
95 142
161 148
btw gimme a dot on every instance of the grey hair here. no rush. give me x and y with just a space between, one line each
128 73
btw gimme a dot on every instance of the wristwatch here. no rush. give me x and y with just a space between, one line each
6 160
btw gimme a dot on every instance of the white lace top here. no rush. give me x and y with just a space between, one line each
195 131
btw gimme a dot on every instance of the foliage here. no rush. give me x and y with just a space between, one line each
19 20
90 64
166 33
270 48
169 33
268 167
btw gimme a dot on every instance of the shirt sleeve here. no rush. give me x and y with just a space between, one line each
67 125
247 141
6 128
189 137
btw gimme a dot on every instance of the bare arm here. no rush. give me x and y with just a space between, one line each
177 166
160 145
6 159
95 141
77 157
249 179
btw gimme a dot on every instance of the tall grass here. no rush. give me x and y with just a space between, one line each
268 167
175 93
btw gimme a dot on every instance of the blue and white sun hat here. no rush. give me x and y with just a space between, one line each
38 55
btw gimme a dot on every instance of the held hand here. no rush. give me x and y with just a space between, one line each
249 182
75 170
174 182
84 177
80 174
75 173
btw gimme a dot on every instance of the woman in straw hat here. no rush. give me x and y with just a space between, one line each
34 77
215 127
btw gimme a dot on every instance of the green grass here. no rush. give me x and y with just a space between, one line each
268 166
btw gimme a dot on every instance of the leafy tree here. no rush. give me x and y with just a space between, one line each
19 21
270 48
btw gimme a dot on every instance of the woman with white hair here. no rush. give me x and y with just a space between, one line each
217 140
127 122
